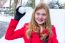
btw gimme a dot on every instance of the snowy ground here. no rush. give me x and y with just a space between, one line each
57 18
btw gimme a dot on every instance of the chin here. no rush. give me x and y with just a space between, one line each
40 23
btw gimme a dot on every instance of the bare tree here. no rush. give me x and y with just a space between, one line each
10 3
2 2
15 4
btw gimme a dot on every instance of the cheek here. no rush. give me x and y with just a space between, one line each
45 17
36 16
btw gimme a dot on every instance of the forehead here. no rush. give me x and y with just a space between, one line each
41 11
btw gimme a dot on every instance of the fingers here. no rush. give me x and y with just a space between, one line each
43 37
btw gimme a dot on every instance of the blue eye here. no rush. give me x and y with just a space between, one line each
38 13
43 14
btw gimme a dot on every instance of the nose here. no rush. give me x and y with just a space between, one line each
40 15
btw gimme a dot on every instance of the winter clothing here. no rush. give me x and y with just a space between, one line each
11 34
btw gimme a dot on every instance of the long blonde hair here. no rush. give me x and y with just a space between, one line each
33 26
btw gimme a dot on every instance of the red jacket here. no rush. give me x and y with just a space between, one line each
11 34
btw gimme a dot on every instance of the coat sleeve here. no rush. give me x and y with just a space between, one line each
11 34
54 36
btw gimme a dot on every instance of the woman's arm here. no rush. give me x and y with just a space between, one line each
11 33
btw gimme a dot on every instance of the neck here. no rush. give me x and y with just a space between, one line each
41 28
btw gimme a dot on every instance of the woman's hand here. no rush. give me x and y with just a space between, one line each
44 35
19 14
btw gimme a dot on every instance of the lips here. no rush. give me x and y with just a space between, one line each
40 20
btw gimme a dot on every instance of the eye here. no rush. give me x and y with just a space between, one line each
38 13
43 14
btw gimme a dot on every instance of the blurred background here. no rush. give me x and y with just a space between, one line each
7 12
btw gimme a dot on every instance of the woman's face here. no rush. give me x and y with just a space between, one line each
40 16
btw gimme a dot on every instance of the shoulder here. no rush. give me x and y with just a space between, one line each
26 25
54 30
53 27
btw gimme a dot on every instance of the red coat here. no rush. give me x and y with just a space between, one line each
11 34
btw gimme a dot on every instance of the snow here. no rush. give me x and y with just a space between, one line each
57 18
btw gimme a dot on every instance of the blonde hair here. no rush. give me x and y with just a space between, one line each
33 26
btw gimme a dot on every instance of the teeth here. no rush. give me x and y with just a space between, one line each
40 20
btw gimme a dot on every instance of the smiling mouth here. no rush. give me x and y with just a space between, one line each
40 20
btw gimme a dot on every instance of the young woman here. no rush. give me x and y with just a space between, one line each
39 30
